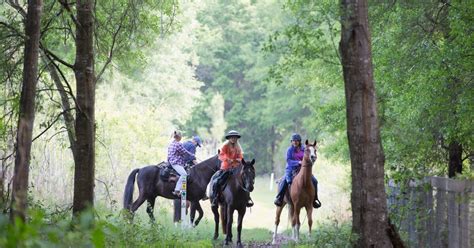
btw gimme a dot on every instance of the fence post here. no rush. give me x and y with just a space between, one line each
184 219
429 221
441 208
464 218
271 181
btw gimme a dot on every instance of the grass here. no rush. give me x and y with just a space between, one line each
107 227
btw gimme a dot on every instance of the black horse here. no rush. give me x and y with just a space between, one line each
234 197
150 185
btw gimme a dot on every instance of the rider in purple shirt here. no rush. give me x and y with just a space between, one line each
294 156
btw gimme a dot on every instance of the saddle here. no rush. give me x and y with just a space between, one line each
168 174
220 178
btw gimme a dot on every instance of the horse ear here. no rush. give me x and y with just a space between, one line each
218 151
243 161
252 162
306 142
315 142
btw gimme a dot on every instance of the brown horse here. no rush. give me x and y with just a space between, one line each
300 194
151 185
234 197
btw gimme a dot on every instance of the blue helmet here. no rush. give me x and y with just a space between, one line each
296 137
198 140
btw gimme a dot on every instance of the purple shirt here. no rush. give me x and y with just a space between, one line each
293 158
177 153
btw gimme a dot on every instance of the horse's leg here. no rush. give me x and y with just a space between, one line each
200 212
239 225
136 204
277 222
229 218
297 221
309 213
177 210
215 211
192 212
150 207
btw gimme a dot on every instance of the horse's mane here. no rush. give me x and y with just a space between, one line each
206 163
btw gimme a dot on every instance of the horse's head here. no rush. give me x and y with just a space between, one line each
248 174
310 151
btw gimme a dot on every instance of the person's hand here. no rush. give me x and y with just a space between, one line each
195 161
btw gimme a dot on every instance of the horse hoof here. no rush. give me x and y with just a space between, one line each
216 236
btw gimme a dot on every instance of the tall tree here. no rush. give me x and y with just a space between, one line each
368 197
84 158
27 110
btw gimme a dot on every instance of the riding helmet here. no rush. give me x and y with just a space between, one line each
232 133
295 137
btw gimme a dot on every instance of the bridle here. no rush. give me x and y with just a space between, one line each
241 181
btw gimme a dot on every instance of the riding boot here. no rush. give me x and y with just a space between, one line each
281 193
316 202
214 195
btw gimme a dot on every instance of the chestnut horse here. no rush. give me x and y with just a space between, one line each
300 194
234 196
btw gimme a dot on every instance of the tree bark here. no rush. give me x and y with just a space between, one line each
368 197
85 118
455 159
27 111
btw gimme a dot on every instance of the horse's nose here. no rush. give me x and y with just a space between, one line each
313 158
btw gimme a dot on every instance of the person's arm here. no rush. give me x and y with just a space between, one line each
223 154
191 149
289 158
180 150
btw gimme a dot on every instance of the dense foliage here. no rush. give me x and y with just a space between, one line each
423 72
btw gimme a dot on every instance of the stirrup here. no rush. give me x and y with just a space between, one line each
278 202
316 203
250 203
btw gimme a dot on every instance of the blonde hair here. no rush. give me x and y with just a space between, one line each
237 144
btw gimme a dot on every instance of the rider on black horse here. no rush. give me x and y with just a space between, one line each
176 154
294 156
191 146
231 156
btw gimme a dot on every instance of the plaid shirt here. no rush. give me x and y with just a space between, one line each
177 153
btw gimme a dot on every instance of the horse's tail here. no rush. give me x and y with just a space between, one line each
290 212
224 218
128 194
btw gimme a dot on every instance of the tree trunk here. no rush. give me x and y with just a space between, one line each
27 111
368 197
85 119
453 82
67 111
455 159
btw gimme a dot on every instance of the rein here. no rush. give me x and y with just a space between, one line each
241 186
240 182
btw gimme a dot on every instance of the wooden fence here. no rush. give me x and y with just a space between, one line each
438 212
